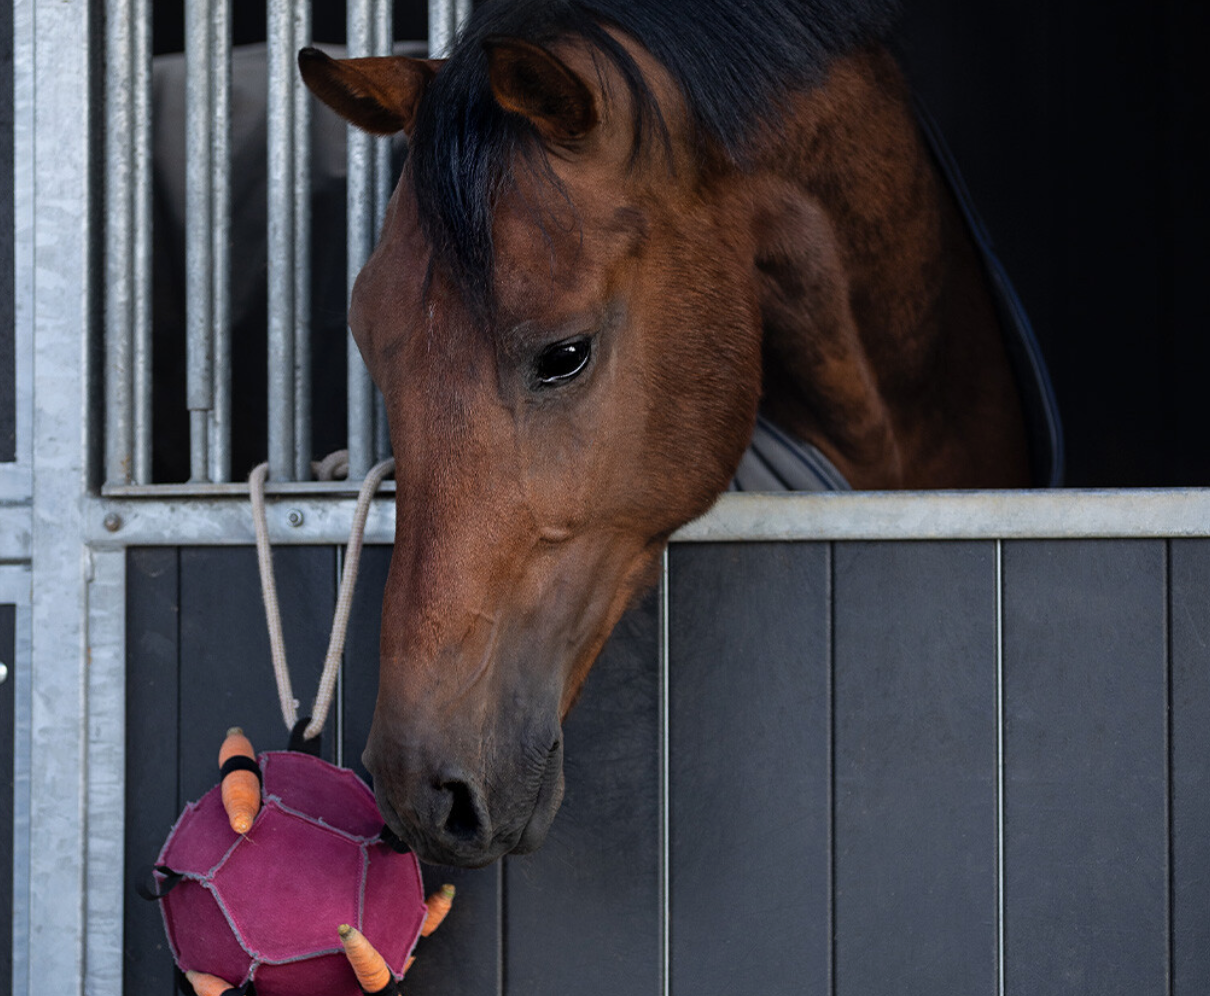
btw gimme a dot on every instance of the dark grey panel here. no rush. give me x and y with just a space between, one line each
8 645
1086 829
748 638
359 675
583 913
463 957
226 670
152 734
915 768
1190 730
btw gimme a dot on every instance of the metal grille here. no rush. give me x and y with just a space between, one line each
128 331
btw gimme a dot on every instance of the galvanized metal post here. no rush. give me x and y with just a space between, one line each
281 240
141 211
361 208
384 34
119 221
55 58
219 421
128 242
302 251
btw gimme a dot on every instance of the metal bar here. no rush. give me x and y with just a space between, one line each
360 202
384 30
302 253
441 27
281 237
219 514
64 311
119 238
199 246
16 479
462 13
940 515
219 423
141 274
382 431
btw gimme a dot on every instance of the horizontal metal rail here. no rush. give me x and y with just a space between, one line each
314 514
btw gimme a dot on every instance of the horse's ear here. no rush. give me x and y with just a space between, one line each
530 81
379 95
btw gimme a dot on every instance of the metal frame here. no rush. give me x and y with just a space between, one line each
63 545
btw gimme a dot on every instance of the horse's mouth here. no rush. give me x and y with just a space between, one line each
550 797
506 840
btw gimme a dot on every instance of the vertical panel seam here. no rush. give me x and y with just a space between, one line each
338 717
999 569
501 927
1169 800
665 886
178 563
830 643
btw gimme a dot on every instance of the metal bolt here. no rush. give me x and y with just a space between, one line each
294 517
112 522
3 673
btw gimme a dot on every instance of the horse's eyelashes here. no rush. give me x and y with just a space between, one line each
561 362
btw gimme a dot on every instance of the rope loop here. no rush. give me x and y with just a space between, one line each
344 600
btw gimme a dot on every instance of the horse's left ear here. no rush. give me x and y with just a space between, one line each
528 80
379 95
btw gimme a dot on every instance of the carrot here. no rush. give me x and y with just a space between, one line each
241 788
209 985
439 904
372 971
409 963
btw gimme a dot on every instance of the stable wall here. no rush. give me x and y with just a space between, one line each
918 766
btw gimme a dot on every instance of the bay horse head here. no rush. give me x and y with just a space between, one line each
565 314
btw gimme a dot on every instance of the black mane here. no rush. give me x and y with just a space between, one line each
732 59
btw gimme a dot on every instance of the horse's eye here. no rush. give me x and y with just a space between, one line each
562 362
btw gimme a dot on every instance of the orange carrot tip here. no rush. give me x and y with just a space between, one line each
408 964
241 788
438 904
235 743
372 971
209 985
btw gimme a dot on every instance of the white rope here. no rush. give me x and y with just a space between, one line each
344 599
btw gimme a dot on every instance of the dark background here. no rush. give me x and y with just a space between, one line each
1080 127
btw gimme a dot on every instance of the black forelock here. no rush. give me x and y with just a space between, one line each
733 60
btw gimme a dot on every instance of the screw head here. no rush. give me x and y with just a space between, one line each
294 517
112 522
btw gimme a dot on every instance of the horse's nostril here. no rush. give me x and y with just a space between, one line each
462 823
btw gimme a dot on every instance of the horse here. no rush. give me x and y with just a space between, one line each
624 229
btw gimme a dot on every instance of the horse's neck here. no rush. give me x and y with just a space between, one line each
881 341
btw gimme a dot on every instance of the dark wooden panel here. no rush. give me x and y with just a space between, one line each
1086 829
583 913
1190 620
463 957
8 646
226 670
915 768
749 780
152 736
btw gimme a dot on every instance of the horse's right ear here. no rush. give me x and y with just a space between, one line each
379 95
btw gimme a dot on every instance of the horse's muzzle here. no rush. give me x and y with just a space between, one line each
449 817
